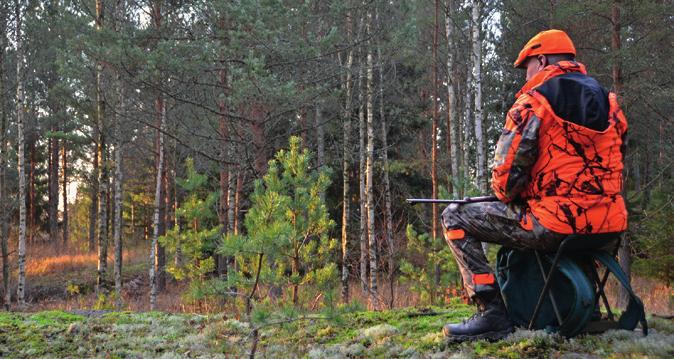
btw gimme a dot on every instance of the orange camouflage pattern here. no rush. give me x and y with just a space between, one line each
570 175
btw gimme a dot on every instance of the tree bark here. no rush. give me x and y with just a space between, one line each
361 196
452 121
479 114
4 199
346 163
102 173
64 166
119 171
21 258
477 84
624 252
372 242
53 187
154 268
388 220
93 193
434 139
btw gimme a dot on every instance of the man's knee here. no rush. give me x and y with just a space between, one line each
451 223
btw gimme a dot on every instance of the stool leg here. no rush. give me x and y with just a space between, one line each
546 285
550 294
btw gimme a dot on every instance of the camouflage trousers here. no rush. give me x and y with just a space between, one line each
467 225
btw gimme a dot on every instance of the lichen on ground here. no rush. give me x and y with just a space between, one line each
403 333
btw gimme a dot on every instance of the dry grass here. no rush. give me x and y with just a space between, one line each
37 266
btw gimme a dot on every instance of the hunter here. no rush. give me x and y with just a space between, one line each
557 170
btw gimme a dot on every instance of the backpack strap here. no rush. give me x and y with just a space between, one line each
634 313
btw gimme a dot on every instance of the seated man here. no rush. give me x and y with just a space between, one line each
557 171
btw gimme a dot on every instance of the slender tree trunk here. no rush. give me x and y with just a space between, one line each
102 174
346 163
434 139
53 187
32 209
624 252
479 114
64 165
361 184
452 121
237 202
388 220
154 268
320 141
119 171
93 193
4 198
467 125
225 152
372 242
477 85
21 258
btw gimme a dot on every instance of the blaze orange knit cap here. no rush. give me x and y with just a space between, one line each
546 42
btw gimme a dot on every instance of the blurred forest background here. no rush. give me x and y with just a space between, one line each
201 155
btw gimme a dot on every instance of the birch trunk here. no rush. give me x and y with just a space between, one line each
479 114
21 258
477 83
361 184
154 268
102 173
346 163
452 121
372 243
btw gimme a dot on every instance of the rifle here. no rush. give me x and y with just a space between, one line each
414 201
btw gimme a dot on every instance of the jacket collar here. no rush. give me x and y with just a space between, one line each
551 71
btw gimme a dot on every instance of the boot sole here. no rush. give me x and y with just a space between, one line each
489 336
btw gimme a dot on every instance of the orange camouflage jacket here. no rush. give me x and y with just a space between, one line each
561 152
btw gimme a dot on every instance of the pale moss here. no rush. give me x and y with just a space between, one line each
379 331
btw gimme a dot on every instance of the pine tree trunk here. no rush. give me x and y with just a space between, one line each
21 258
64 166
434 140
119 171
372 242
93 194
225 181
154 267
53 188
320 141
4 199
388 220
346 163
452 121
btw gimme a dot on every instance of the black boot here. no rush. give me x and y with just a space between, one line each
491 322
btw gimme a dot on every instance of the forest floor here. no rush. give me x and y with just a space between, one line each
404 333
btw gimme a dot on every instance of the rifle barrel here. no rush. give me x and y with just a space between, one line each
447 201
